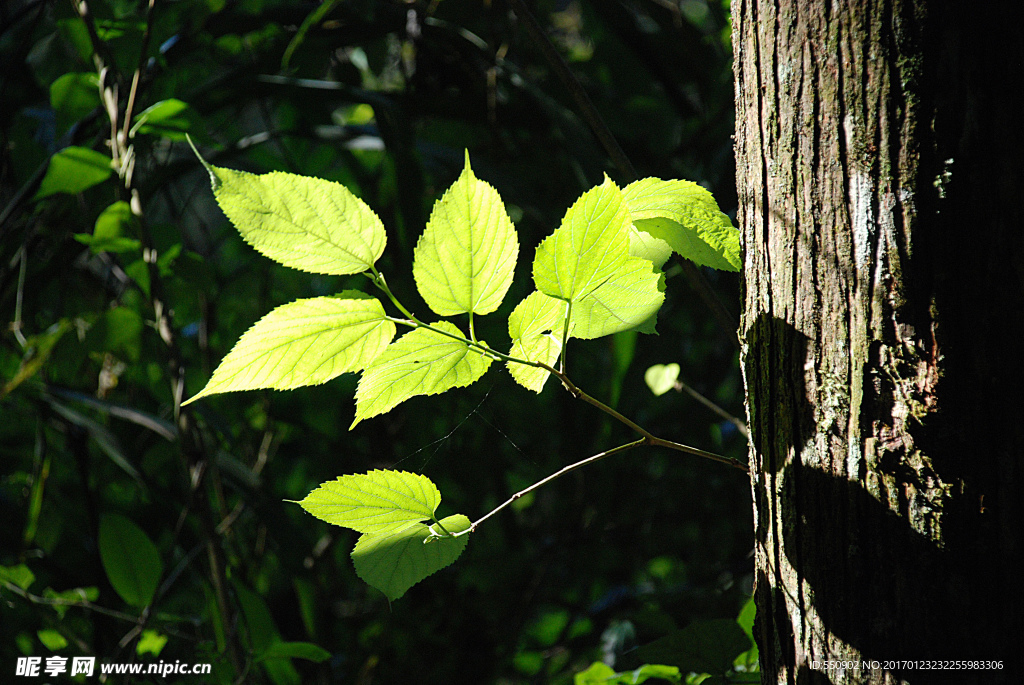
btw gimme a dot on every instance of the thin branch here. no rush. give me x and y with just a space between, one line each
740 425
60 601
553 476
679 447
573 389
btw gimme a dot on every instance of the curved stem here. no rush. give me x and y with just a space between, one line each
740 425
680 447
553 476
648 437
646 440
565 335
378 280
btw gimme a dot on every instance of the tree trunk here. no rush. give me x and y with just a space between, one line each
879 171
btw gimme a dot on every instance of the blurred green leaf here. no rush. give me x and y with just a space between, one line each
73 96
52 639
701 647
601 674
151 642
661 378
72 597
170 119
113 229
37 351
19 575
295 650
130 558
73 170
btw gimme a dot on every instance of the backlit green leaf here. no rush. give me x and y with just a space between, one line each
375 501
306 223
130 558
151 642
588 248
421 362
661 378
306 342
646 246
544 348
73 170
628 300
465 258
685 216
397 559
535 327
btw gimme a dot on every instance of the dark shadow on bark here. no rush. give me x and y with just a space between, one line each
853 552
775 360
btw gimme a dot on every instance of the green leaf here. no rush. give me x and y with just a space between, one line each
74 96
52 639
421 362
306 342
599 673
661 378
646 246
260 624
374 501
306 223
68 598
151 642
685 216
112 226
535 327
19 575
544 348
37 351
602 674
465 258
746 621
397 559
629 299
588 248
130 558
170 119
73 170
296 650
701 647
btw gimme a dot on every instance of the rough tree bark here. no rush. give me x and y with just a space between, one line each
879 168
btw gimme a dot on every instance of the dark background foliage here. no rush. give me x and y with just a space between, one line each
383 96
